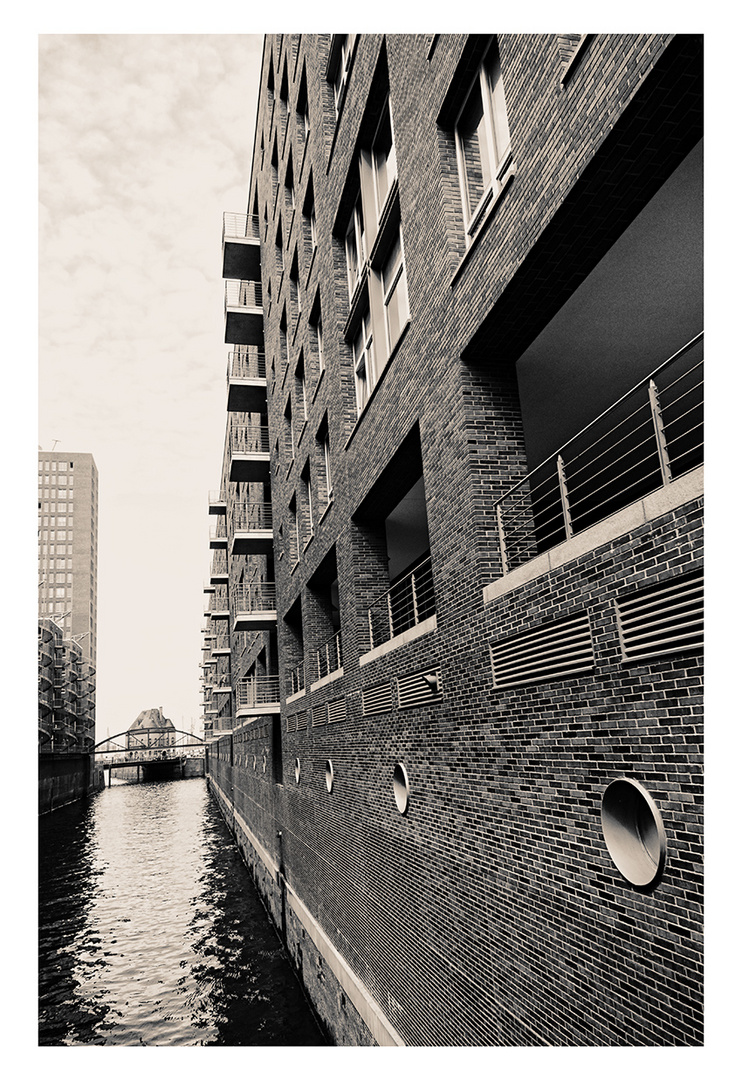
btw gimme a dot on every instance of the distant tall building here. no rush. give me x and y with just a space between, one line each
68 545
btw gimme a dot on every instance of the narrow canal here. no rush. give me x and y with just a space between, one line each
151 932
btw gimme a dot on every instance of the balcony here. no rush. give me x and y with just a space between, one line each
329 657
251 529
240 246
296 680
219 570
258 696
243 313
218 536
408 604
648 439
254 607
220 646
218 605
246 382
217 502
249 453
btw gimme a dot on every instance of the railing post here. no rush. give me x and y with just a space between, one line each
501 534
564 496
415 615
389 609
370 631
659 433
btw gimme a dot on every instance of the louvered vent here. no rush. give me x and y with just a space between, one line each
336 710
319 715
291 723
664 619
301 721
422 688
377 699
557 651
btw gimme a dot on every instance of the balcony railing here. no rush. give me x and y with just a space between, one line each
252 517
248 439
246 362
258 596
259 690
243 294
240 226
409 602
296 679
219 601
648 438
330 655
218 532
217 498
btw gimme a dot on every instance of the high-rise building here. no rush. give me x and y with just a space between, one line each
68 545
453 643
68 582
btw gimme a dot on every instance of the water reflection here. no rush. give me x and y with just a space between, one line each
151 933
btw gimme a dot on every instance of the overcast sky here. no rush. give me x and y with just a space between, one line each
143 142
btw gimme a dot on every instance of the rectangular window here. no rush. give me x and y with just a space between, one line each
482 141
340 59
394 283
355 253
383 159
363 362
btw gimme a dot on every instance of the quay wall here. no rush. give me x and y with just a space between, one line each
66 778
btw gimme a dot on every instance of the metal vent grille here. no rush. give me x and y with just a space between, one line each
557 651
336 710
422 688
291 723
319 715
664 619
377 699
301 721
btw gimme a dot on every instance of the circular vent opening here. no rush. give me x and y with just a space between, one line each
297 770
401 788
633 832
329 775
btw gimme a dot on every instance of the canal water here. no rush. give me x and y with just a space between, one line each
151 932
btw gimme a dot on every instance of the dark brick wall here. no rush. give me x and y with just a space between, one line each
490 913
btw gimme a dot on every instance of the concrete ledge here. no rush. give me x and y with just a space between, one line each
296 696
337 674
652 506
425 627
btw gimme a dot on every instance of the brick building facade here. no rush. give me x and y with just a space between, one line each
452 656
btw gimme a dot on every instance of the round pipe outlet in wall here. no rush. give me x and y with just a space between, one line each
401 785
633 832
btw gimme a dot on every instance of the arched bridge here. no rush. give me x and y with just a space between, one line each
159 752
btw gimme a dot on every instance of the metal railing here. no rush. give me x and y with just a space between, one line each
248 439
258 690
243 294
649 437
219 601
410 601
240 226
246 362
330 655
297 679
251 517
258 596
219 563
216 496
218 531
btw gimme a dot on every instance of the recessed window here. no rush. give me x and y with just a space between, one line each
329 776
482 141
363 362
633 832
401 785
297 770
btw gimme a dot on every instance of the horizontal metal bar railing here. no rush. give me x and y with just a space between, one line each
243 294
240 226
258 690
258 596
330 655
219 601
246 362
410 601
216 496
248 439
251 517
645 440
218 531
297 678
219 564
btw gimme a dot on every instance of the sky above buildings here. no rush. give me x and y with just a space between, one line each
143 142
